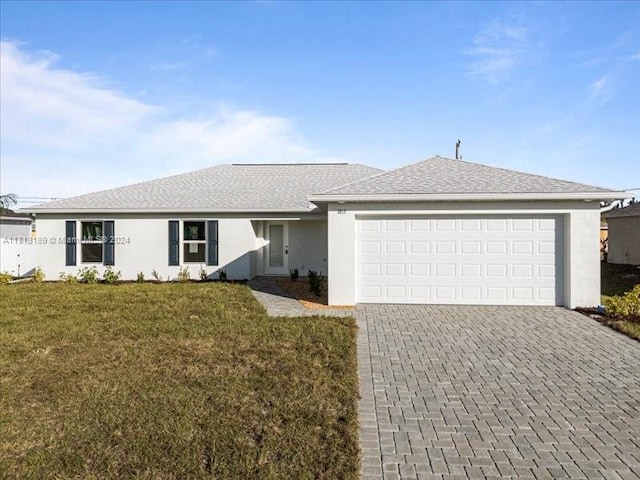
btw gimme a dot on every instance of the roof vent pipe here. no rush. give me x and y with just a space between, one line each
458 156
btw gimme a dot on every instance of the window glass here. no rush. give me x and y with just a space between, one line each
276 243
194 231
194 252
91 231
92 252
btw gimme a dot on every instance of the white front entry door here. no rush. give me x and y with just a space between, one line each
277 254
495 260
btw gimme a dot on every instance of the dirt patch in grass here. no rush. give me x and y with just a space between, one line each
300 291
172 381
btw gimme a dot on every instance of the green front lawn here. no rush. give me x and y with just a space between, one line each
171 381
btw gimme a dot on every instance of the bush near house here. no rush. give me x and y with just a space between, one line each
172 380
316 282
620 286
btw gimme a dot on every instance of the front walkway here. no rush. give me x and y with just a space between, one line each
464 392
279 303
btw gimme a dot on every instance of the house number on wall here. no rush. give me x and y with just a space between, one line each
342 211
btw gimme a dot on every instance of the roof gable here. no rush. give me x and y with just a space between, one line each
439 175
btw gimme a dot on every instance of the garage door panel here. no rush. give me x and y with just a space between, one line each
460 260
419 225
420 269
444 225
471 270
420 247
471 293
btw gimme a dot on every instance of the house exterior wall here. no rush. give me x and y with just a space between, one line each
142 245
581 256
308 247
624 240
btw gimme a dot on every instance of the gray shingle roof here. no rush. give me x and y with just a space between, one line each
632 210
256 187
439 175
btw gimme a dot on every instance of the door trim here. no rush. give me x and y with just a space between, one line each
284 269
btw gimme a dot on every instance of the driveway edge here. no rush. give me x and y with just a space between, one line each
370 455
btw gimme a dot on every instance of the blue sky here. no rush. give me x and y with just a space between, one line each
96 95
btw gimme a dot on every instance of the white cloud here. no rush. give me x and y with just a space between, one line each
498 49
65 133
601 89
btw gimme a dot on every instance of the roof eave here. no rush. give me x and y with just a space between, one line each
167 210
448 197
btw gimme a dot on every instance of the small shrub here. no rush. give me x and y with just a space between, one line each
623 305
311 276
316 282
156 275
38 275
222 274
5 278
203 274
110 276
68 278
183 275
89 275
140 277
294 274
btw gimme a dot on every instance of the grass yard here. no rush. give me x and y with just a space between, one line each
171 381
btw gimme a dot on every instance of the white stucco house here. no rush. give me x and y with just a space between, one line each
439 231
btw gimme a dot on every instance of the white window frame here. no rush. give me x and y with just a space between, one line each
184 242
90 242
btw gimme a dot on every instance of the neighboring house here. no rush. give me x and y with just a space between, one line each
17 250
438 231
13 226
624 234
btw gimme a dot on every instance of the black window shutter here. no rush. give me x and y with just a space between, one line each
212 242
174 242
109 244
70 243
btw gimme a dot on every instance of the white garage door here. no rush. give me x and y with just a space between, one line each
460 260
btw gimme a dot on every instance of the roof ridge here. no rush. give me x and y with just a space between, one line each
289 164
518 171
457 176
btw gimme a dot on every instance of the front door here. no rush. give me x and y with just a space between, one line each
277 254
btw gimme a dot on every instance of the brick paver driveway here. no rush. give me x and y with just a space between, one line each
454 392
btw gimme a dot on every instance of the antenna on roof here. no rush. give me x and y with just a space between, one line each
458 156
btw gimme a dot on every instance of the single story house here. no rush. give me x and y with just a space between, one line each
17 250
15 225
439 231
624 234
